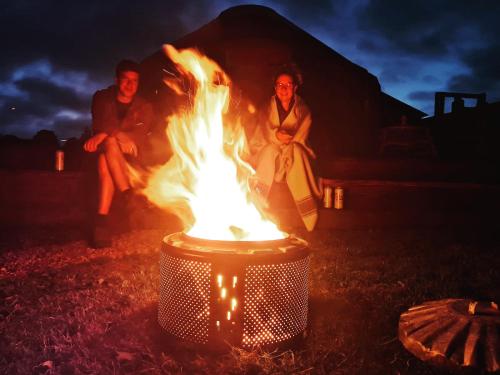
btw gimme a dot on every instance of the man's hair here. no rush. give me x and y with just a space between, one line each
127 66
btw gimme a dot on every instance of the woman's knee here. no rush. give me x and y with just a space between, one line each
268 154
270 149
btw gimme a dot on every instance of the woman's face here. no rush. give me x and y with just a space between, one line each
284 87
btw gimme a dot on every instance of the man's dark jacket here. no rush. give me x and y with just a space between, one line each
137 122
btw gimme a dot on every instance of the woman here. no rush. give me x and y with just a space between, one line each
280 144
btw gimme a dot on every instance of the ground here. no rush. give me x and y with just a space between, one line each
68 309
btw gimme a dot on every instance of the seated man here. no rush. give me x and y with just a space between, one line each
280 142
120 122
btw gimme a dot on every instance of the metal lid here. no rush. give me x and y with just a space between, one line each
454 333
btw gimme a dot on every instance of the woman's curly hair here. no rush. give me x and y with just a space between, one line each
290 69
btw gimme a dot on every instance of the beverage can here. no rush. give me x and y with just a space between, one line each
59 163
339 198
327 196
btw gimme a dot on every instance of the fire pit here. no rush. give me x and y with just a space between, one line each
240 292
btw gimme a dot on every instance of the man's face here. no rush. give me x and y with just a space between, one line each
128 82
284 87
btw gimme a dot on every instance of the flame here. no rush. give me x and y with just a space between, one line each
205 182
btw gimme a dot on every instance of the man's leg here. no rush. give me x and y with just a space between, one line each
120 174
106 186
116 164
100 235
112 175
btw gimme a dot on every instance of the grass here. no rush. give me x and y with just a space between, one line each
67 309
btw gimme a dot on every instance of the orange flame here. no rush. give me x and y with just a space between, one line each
206 181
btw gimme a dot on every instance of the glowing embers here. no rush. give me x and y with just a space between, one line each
226 312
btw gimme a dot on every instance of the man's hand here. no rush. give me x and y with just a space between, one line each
283 137
94 142
127 145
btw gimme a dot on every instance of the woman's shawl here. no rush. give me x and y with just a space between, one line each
297 123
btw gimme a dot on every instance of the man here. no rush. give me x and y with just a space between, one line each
121 122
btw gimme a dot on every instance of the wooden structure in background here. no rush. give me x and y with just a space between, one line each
458 102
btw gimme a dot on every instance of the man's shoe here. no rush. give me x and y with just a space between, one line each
100 236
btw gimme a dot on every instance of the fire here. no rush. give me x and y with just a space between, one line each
205 182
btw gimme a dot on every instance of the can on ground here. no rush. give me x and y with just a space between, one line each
59 162
327 196
339 198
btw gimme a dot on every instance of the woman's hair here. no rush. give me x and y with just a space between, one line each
290 69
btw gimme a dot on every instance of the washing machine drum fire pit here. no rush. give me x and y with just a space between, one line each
243 293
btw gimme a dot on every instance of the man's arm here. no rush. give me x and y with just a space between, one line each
93 142
135 127
98 124
141 122
100 113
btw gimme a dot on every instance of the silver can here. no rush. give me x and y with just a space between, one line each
327 196
339 198
59 162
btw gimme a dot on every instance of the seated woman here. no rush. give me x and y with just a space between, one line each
280 145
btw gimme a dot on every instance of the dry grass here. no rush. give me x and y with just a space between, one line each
67 309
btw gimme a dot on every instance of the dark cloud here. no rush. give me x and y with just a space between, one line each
314 12
89 35
52 95
422 95
67 128
403 24
428 27
368 45
25 126
428 44
430 79
390 76
39 104
11 112
432 43
484 73
23 108
460 33
26 121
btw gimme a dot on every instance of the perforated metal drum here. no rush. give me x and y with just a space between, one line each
244 293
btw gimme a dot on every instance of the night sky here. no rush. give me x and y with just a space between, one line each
55 54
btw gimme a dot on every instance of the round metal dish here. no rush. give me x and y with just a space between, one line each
455 333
